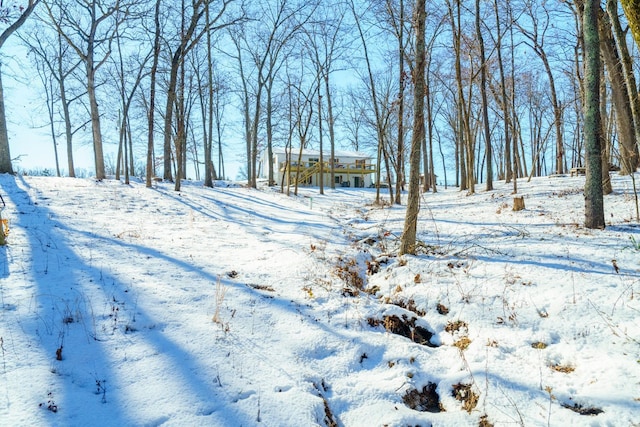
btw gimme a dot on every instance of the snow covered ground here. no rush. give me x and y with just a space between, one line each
127 306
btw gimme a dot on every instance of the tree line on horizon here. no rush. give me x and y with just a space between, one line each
483 90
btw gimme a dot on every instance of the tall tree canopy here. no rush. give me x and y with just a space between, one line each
12 14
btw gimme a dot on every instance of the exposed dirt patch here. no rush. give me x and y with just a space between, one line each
442 309
265 288
583 410
406 327
426 400
410 305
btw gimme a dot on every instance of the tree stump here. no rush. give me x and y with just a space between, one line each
518 203
4 230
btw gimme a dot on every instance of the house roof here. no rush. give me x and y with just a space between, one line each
337 153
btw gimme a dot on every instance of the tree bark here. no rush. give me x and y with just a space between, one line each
209 171
632 11
408 240
627 66
152 95
508 169
400 100
65 108
5 155
485 103
620 96
594 204
95 115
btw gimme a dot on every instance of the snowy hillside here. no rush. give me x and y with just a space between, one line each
127 306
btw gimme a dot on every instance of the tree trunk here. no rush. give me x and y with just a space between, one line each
632 11
181 130
408 240
627 65
508 169
605 140
95 117
208 143
485 103
152 95
269 127
321 157
168 115
557 113
620 96
594 204
253 160
60 60
5 154
332 136
401 83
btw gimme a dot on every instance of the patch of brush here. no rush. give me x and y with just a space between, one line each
465 394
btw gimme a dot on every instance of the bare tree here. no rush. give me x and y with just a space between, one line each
51 54
209 170
48 85
301 86
91 38
152 93
190 33
408 240
379 117
14 21
502 98
327 46
128 76
485 103
537 37
464 140
281 21
620 95
627 66
594 206
394 12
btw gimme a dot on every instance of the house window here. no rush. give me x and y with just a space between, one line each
313 160
361 163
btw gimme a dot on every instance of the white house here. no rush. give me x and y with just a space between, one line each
351 168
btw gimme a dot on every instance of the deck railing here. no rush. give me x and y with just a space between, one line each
339 167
